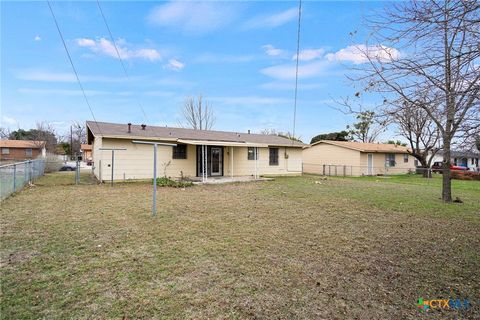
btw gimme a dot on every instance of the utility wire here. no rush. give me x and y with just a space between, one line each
73 67
296 69
119 56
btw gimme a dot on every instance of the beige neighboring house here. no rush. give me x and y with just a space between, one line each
356 158
229 154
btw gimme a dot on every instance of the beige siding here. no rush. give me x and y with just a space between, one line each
315 157
292 164
379 164
137 161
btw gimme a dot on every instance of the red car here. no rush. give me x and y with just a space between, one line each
437 167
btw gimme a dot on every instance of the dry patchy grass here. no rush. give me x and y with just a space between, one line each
289 248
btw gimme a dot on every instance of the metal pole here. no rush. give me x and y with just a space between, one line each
113 159
255 149
14 177
231 166
154 207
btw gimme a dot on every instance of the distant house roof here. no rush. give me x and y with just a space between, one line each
116 130
85 147
461 154
366 147
25 144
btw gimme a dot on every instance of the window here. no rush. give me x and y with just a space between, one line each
273 160
390 160
28 152
251 153
5 151
180 151
405 158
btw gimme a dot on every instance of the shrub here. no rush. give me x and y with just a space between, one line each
52 163
166 182
465 175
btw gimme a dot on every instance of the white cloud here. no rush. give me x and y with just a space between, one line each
193 17
309 54
276 85
287 71
174 64
67 77
63 92
250 100
106 47
7 121
360 53
271 51
37 38
273 20
222 58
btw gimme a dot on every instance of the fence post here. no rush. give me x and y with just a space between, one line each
323 169
335 170
344 170
14 177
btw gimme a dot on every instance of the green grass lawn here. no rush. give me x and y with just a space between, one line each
296 247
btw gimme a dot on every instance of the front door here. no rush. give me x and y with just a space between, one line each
370 164
216 163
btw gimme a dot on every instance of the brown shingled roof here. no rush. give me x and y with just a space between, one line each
367 147
28 144
116 130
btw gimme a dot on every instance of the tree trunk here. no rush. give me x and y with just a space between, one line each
446 177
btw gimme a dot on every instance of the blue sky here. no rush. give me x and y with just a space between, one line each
238 55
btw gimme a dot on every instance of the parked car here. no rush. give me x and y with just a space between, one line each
68 167
437 167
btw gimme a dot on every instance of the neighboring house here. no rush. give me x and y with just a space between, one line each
468 159
86 151
21 149
356 158
227 153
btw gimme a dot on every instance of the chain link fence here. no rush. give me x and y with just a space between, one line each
357 171
15 176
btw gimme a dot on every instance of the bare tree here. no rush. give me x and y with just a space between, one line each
44 135
198 114
286 134
439 53
368 127
4 133
419 129
78 136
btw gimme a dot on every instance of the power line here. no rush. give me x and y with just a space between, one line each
119 56
296 69
73 67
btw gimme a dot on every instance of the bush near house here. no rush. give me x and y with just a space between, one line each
166 182
465 175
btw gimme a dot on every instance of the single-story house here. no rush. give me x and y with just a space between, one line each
86 150
468 159
21 149
356 158
229 154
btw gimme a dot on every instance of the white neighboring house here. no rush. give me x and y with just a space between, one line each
467 159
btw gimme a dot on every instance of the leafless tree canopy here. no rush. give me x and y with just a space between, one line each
438 58
419 130
198 114
368 127
287 134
